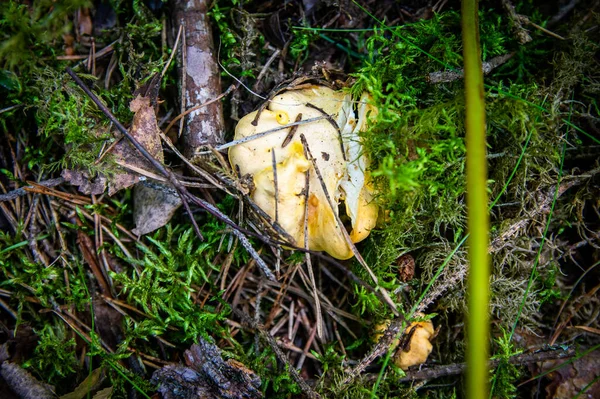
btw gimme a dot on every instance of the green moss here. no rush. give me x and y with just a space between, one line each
30 32
164 287
54 358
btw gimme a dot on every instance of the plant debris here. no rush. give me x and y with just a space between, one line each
127 236
207 375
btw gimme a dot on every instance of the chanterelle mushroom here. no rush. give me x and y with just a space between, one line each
334 143
417 347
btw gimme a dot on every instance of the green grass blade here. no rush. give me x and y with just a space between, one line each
477 207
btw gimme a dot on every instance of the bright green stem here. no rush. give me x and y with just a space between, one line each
477 205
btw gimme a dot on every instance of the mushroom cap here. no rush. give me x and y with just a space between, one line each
333 142
419 346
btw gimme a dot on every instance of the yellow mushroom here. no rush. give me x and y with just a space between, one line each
333 140
417 347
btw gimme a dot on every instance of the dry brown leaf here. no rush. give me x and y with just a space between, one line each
144 129
85 183
104 393
90 384
569 380
153 207
108 323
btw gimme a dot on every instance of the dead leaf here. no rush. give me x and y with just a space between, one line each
90 384
207 376
84 182
20 345
569 380
108 322
104 393
144 129
153 206
85 27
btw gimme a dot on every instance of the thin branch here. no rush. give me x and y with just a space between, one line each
430 373
450 76
292 131
266 132
309 266
357 254
306 389
19 192
181 190
334 124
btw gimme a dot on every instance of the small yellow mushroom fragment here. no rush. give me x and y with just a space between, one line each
418 347
338 156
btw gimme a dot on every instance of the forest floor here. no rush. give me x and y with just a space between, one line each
138 258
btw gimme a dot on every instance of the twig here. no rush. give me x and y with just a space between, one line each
173 51
357 254
275 183
562 12
306 389
265 68
450 76
334 124
97 55
183 78
3 110
266 132
524 19
309 265
391 333
181 190
19 192
521 33
292 131
459 368
498 242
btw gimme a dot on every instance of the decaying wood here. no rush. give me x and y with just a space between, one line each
202 81
207 375
429 373
24 384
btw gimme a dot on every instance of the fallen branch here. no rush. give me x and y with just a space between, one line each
199 74
450 76
19 192
433 372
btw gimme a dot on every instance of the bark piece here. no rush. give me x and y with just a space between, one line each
207 376
24 384
202 80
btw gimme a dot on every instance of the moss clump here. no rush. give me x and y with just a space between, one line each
54 358
170 272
